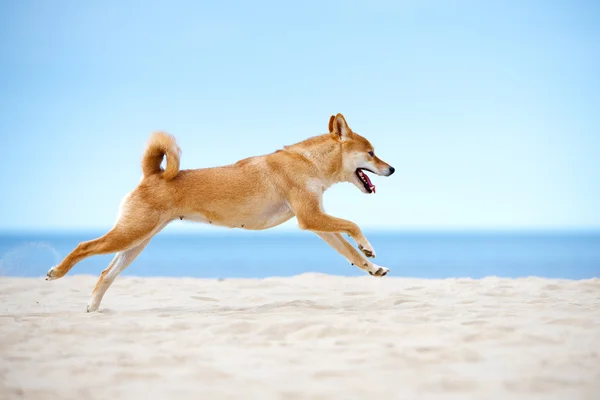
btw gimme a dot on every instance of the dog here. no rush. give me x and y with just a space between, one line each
255 193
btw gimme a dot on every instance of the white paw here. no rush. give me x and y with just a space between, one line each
92 307
376 270
367 249
51 274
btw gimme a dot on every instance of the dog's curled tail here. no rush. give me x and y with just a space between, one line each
161 144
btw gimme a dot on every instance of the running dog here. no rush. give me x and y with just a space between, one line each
255 193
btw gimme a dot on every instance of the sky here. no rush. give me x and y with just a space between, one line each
488 110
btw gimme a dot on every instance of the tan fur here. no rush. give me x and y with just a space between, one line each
255 193
161 144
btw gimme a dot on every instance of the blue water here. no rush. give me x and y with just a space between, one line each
259 254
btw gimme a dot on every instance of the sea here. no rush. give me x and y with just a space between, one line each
244 254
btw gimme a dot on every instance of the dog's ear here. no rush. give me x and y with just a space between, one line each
339 127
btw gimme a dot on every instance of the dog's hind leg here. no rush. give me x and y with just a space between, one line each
342 246
121 261
129 232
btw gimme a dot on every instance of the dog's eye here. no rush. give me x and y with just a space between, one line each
371 153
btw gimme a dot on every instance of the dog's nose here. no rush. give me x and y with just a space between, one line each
392 170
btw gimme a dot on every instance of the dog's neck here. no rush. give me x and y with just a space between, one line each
325 153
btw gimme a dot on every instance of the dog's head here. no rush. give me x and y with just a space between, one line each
358 156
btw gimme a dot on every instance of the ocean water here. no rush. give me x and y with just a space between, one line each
260 254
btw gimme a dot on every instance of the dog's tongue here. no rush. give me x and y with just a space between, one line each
370 183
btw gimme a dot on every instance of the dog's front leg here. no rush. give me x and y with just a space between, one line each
342 246
310 215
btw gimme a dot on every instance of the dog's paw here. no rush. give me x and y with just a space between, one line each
94 304
91 308
367 250
52 274
376 270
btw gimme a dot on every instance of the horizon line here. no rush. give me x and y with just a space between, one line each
220 231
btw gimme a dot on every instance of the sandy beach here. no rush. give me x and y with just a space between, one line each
307 337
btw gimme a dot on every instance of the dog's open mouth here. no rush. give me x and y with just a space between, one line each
364 178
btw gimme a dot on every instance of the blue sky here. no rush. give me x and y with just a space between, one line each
489 110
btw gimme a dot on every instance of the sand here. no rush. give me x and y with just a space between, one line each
307 337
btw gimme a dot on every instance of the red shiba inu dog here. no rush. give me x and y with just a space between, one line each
255 193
